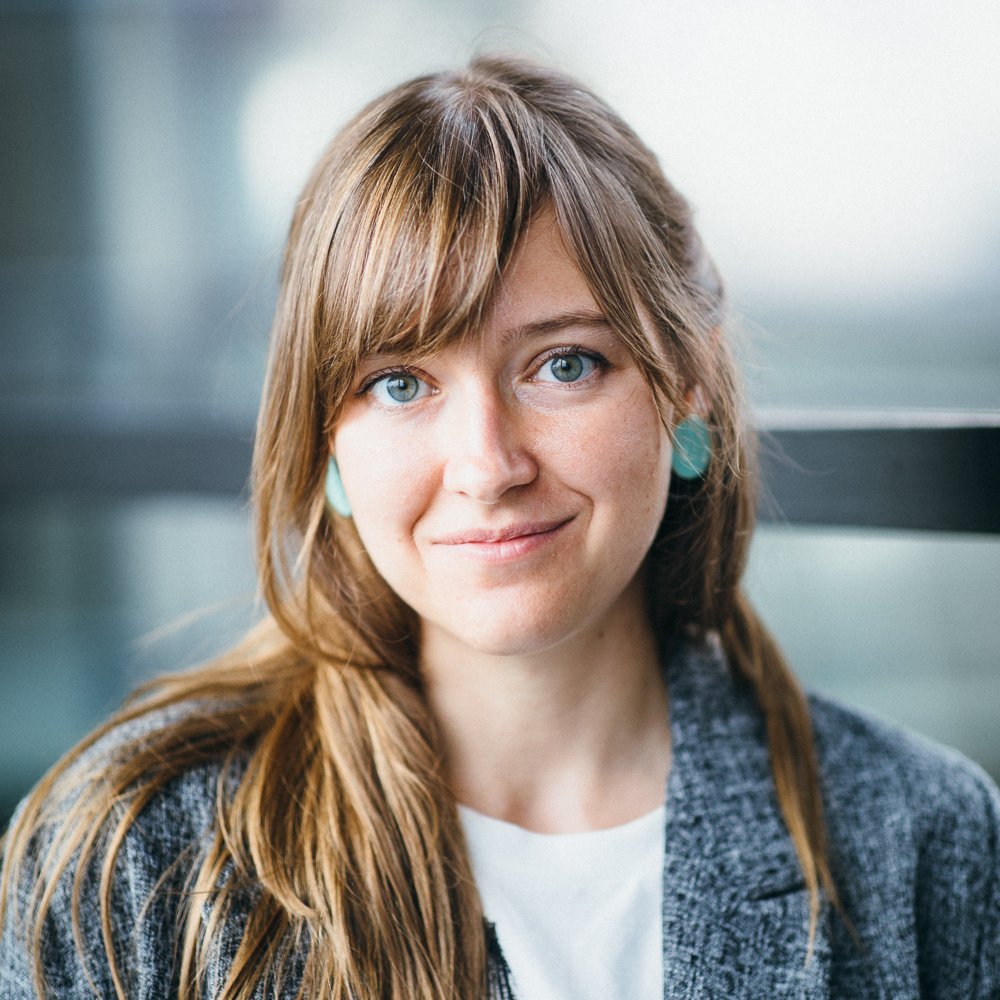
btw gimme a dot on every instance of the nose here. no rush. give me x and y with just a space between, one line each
487 447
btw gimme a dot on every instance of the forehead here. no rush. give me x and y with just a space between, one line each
541 279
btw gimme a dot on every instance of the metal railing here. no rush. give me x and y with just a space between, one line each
926 470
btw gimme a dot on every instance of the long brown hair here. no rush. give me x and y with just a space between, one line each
332 801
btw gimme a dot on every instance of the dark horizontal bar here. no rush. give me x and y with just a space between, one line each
937 478
924 478
122 462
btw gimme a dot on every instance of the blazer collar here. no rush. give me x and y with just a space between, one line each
735 908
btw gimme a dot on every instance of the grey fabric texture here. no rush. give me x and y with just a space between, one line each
913 831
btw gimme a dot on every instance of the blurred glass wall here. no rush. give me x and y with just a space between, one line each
845 162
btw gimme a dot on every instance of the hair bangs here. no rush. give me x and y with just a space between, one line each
424 235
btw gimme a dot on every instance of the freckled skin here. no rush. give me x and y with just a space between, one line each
493 438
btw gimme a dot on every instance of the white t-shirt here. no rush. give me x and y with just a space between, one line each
577 915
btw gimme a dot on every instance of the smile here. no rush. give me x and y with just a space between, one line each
503 544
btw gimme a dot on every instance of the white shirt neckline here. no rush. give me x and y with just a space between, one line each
577 915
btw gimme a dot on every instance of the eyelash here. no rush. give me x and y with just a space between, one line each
377 377
600 362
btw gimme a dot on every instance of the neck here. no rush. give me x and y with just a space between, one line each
575 737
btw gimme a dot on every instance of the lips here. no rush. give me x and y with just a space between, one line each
495 536
504 545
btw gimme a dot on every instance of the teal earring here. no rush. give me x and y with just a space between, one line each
335 494
692 448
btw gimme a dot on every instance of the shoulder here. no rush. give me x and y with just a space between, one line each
179 810
914 832
864 760
153 842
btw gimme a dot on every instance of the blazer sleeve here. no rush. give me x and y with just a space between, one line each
148 894
958 889
71 969
988 971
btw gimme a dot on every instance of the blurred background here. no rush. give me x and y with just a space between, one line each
844 159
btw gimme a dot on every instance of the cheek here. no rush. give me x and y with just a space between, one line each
387 488
631 462
642 499
382 518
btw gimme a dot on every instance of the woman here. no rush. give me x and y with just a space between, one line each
504 497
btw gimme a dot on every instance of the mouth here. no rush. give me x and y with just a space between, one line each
493 536
508 542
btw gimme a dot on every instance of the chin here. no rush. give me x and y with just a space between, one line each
512 635
519 645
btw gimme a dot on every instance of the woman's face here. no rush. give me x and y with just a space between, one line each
508 488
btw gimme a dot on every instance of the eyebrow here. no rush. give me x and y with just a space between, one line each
588 318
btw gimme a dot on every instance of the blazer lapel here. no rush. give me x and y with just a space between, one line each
735 907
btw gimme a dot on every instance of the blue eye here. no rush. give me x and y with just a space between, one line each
569 367
397 388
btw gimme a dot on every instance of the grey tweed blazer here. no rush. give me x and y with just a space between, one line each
913 832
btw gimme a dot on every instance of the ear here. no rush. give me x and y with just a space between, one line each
696 403
695 398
